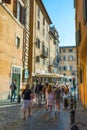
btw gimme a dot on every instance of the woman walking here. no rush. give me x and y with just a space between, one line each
49 96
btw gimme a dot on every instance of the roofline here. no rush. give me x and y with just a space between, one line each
67 46
45 11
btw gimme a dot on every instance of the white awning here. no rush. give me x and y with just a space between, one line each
49 75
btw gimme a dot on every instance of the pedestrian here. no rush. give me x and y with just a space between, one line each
49 97
37 90
57 97
13 88
40 92
27 101
65 99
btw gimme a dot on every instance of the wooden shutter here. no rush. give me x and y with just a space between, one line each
78 35
7 1
15 8
23 16
85 11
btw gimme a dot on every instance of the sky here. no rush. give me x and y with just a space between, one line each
62 15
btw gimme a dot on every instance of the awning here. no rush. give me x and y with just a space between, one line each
49 75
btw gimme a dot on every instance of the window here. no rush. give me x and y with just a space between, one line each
43 46
37 42
38 12
64 50
43 21
5 1
19 11
43 32
17 43
70 50
37 59
38 25
71 67
60 68
70 58
85 11
60 58
65 68
64 57
78 35
43 62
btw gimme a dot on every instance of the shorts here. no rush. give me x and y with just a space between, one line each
57 101
27 104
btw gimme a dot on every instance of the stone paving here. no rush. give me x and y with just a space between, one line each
11 119
81 117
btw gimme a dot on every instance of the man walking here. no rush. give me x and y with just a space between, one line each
13 88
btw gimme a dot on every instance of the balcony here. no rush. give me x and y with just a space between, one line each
44 54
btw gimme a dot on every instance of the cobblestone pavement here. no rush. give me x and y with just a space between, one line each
11 119
81 117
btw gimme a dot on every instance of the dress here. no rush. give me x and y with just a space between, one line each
50 98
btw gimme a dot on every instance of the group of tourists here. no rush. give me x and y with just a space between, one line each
52 95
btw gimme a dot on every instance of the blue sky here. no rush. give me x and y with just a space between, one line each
62 14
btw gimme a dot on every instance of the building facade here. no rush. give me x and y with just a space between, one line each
68 64
81 44
12 23
54 50
39 39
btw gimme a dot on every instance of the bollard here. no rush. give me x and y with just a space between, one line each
19 98
71 103
74 127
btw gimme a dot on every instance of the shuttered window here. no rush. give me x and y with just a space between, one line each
85 11
7 1
19 12
37 59
78 35
38 42
23 15
15 8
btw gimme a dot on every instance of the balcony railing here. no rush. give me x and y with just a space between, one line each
44 54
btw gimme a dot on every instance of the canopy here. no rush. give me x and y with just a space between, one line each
49 75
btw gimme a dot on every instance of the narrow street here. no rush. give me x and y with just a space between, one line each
11 118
